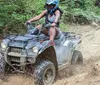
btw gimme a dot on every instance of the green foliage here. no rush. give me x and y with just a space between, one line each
35 6
14 13
86 13
64 27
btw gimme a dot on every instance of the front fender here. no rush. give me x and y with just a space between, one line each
45 45
48 54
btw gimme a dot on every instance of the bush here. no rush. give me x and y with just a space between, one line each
14 13
85 13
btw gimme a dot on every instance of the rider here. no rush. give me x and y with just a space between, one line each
52 15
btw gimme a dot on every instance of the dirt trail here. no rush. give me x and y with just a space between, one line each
86 74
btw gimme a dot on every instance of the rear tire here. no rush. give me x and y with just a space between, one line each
77 58
44 73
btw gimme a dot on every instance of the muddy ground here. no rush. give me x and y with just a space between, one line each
86 74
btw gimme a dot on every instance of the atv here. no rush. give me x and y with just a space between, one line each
35 55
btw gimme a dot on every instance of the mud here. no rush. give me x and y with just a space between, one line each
86 74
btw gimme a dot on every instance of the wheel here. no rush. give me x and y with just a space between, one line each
44 73
77 58
2 65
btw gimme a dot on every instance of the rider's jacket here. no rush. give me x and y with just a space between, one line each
50 18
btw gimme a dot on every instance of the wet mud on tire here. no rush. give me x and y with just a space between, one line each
77 58
2 65
44 73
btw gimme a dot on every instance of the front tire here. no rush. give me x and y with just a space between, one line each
2 65
44 73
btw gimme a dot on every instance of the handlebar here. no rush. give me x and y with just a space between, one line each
28 23
32 29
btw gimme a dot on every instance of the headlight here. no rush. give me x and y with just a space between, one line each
35 49
3 45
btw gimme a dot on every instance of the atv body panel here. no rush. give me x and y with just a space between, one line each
22 50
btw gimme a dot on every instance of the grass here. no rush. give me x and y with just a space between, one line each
64 27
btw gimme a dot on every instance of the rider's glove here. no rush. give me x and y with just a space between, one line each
28 23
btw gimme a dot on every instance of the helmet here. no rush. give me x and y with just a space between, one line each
52 2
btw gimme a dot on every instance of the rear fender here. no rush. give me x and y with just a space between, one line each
76 42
